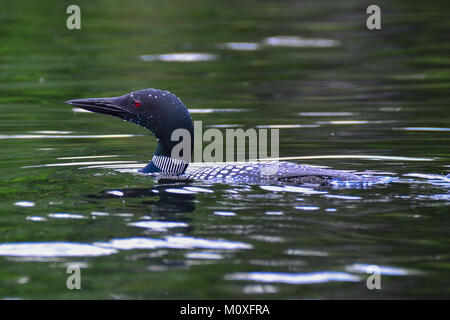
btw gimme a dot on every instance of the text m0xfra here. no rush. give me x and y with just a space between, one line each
246 309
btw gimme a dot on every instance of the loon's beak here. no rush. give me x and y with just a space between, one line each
100 105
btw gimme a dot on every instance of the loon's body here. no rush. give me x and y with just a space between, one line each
162 113
267 172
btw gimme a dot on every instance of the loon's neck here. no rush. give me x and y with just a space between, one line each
162 162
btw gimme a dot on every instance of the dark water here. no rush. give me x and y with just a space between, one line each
344 97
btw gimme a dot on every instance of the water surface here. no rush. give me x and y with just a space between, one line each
342 96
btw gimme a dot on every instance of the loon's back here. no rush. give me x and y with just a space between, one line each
257 172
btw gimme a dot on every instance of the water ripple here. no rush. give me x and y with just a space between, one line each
300 42
52 132
198 190
384 270
116 193
259 289
208 244
204 255
224 213
343 197
355 156
425 129
306 253
25 204
287 126
179 191
326 114
179 57
210 110
172 242
53 249
294 278
302 190
241 46
307 208
71 164
66 216
49 136
88 157
158 225
36 218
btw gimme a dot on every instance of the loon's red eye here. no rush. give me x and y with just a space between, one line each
137 103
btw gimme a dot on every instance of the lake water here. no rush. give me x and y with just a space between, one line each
343 97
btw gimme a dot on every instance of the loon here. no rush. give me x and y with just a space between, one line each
162 113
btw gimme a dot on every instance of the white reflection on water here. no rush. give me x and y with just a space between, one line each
69 249
172 242
158 225
306 253
99 213
287 126
125 215
123 168
224 213
179 57
436 197
53 249
66 216
326 114
36 218
259 289
116 193
25 204
343 197
294 278
179 191
70 164
225 126
296 41
198 190
210 110
281 41
384 270
345 122
241 46
302 190
208 244
424 129
23 280
139 243
428 176
434 179
355 156
52 132
307 208
49 136
88 157
204 255
274 213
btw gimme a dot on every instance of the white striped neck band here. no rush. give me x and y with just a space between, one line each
169 165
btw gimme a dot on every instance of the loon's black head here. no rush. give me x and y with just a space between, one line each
157 110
